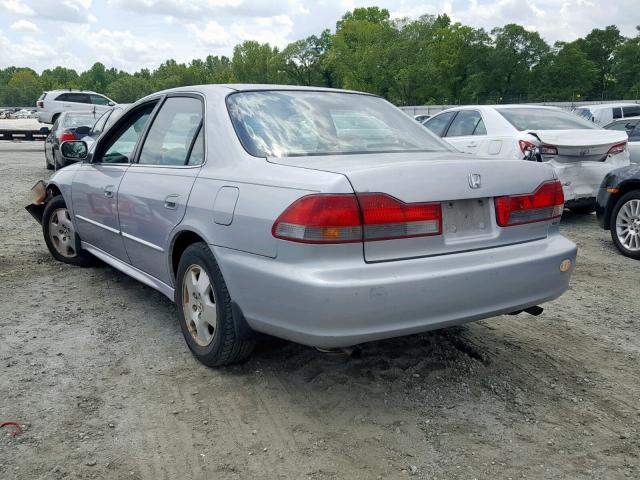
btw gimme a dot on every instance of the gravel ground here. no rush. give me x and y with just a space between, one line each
94 366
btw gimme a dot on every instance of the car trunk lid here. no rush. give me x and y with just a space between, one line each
585 145
464 187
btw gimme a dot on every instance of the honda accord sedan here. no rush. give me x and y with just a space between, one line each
325 217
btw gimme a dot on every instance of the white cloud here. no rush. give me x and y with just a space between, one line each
213 34
74 11
24 26
16 7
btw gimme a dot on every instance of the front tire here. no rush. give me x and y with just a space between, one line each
625 224
204 308
60 234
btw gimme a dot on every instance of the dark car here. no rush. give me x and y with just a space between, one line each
64 129
618 209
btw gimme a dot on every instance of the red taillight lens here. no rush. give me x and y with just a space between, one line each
525 146
40 104
320 219
66 136
386 217
617 148
345 218
545 203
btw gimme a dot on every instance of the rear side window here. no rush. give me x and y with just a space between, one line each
466 123
197 151
99 100
73 97
631 111
617 112
543 119
438 123
43 96
634 135
172 133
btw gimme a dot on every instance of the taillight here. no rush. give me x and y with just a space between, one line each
40 104
66 136
545 203
347 218
617 148
525 146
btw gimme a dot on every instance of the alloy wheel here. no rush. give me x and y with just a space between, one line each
62 234
628 225
199 305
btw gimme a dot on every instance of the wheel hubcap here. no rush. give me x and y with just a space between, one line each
628 225
199 305
62 233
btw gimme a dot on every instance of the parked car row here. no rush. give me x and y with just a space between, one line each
17 113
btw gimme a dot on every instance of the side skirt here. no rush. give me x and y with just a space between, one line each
130 270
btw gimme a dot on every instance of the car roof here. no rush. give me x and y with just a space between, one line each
484 108
68 90
250 87
602 106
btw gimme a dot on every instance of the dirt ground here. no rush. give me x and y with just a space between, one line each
94 366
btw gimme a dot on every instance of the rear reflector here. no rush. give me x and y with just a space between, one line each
545 203
617 148
347 218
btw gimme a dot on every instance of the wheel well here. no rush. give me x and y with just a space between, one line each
53 190
625 188
55 117
180 244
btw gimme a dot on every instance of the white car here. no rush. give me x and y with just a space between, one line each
580 152
605 113
51 104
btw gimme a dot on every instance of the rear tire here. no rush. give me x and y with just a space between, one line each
60 236
47 163
59 163
625 225
204 309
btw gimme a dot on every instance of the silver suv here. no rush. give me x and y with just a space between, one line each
51 104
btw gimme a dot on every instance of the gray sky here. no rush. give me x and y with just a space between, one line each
131 34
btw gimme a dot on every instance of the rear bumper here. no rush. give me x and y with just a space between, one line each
352 302
581 180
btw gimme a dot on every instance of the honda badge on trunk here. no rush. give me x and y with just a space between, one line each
474 180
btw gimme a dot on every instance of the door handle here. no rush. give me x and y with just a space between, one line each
108 191
170 201
472 144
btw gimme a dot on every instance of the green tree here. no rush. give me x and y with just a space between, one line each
25 87
600 46
254 62
305 61
567 74
626 69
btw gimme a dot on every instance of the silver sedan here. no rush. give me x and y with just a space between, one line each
321 216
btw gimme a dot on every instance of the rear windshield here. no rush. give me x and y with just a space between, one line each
543 119
78 120
584 113
303 123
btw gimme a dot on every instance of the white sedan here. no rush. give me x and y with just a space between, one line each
580 152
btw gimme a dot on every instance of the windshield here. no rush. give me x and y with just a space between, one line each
302 123
78 119
543 119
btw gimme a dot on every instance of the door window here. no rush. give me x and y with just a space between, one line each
119 147
172 132
631 111
634 135
100 123
466 123
438 123
617 112
73 97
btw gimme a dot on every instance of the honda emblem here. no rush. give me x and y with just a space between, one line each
474 180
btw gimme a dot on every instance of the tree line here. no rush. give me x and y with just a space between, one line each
408 61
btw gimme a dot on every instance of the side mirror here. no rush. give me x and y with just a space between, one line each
111 104
82 131
74 149
45 130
